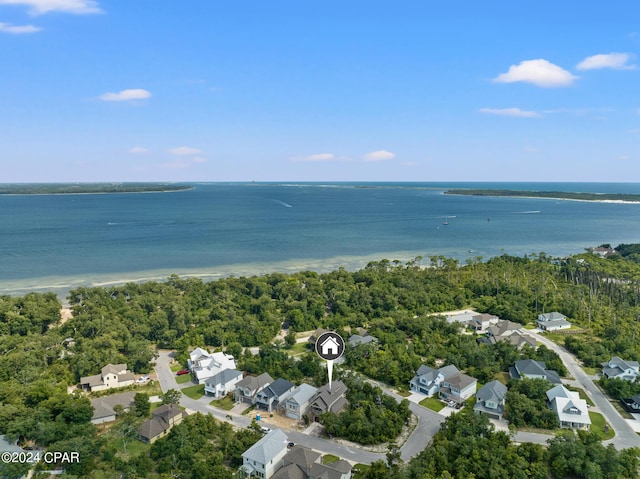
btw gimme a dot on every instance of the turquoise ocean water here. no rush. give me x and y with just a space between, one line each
57 242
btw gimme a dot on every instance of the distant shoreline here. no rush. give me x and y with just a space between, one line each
89 188
556 195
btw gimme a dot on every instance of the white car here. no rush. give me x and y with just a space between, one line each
265 429
142 379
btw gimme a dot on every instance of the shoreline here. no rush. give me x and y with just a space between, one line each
544 197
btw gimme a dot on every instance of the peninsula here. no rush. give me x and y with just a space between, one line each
87 188
558 195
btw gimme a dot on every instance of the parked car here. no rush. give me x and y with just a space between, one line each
142 379
265 429
182 372
290 445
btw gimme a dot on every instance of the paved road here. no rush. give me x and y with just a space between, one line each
625 436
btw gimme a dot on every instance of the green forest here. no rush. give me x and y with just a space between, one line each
395 301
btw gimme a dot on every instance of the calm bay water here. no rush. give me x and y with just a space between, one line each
57 242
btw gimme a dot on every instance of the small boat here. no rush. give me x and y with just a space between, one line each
445 222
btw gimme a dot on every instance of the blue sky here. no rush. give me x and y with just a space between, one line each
140 90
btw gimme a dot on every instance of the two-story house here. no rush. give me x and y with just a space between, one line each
428 380
571 410
204 365
303 463
111 376
619 368
490 399
270 397
552 321
248 388
458 388
328 399
297 405
264 458
223 383
161 422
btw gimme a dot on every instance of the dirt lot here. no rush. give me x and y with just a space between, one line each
279 420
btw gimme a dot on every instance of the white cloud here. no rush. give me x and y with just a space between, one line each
38 7
617 61
539 72
126 95
184 151
513 112
138 150
380 155
18 29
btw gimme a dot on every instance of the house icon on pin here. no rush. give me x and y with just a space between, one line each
330 346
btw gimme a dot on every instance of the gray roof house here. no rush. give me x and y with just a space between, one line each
248 388
264 458
326 399
552 321
490 399
297 405
303 463
274 394
458 387
104 407
222 383
480 322
509 332
428 380
619 368
357 340
533 369
161 422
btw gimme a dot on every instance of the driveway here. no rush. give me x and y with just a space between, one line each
625 435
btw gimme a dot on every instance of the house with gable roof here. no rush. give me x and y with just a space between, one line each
428 380
264 458
303 463
507 331
222 383
111 376
161 422
533 369
480 322
618 368
328 399
274 394
490 399
297 405
572 411
457 387
205 365
104 407
552 321
248 388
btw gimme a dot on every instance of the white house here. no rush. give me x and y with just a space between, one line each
299 402
620 369
222 383
490 399
204 365
571 410
458 388
428 380
552 321
265 457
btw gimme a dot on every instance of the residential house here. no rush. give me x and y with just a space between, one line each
428 380
552 321
111 376
510 332
602 251
104 407
222 383
463 318
358 340
204 365
297 405
620 369
490 399
317 333
572 411
326 399
303 463
458 388
274 394
248 388
480 322
264 458
161 422
533 369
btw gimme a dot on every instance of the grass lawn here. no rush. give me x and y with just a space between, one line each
185 378
194 392
248 410
530 326
598 425
362 470
296 349
175 367
582 394
556 338
591 371
502 377
623 412
404 394
329 458
432 403
225 403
